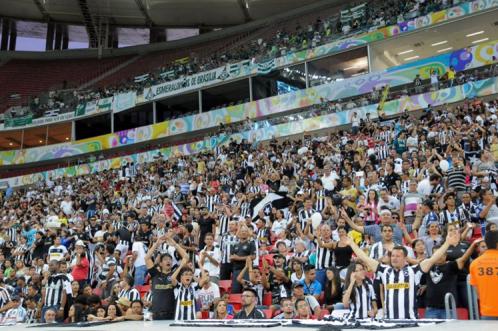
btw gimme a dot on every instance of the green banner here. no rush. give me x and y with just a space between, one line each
18 121
80 109
104 104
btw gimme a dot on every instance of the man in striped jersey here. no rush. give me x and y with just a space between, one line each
305 215
127 290
400 280
5 301
227 241
54 294
319 195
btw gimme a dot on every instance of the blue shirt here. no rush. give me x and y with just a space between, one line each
315 288
30 236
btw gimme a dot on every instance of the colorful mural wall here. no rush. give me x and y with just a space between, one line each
444 96
468 58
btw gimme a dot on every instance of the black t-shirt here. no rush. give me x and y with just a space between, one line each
49 241
39 249
245 249
205 225
163 293
441 279
254 314
454 253
391 179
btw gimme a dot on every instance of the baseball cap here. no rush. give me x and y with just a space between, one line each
125 302
297 284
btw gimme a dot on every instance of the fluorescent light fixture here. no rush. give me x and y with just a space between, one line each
474 33
412 58
405 52
444 49
480 40
440 43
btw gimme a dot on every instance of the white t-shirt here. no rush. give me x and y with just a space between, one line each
67 207
214 271
139 248
492 216
328 181
207 296
279 226
392 204
57 252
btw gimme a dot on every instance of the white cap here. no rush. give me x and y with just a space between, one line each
80 243
105 211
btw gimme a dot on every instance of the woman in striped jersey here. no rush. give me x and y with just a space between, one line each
359 295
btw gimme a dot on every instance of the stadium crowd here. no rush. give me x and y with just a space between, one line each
382 220
354 19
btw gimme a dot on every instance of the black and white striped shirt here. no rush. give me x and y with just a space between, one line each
377 250
185 302
245 208
211 201
400 290
31 316
56 285
12 234
320 200
4 296
324 257
254 189
131 294
438 189
381 151
109 262
303 216
223 221
362 303
458 216
227 242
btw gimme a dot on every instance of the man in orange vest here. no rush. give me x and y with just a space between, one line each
484 276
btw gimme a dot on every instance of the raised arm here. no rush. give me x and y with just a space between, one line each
451 239
174 277
468 253
371 263
149 263
350 222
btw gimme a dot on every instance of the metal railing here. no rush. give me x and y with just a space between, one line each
472 301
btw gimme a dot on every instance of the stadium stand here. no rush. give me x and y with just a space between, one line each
373 208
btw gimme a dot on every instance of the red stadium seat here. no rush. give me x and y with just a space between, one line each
268 313
421 312
462 314
236 301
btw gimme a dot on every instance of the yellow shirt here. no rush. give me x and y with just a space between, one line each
451 74
351 192
201 167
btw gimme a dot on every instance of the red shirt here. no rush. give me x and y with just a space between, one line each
80 272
